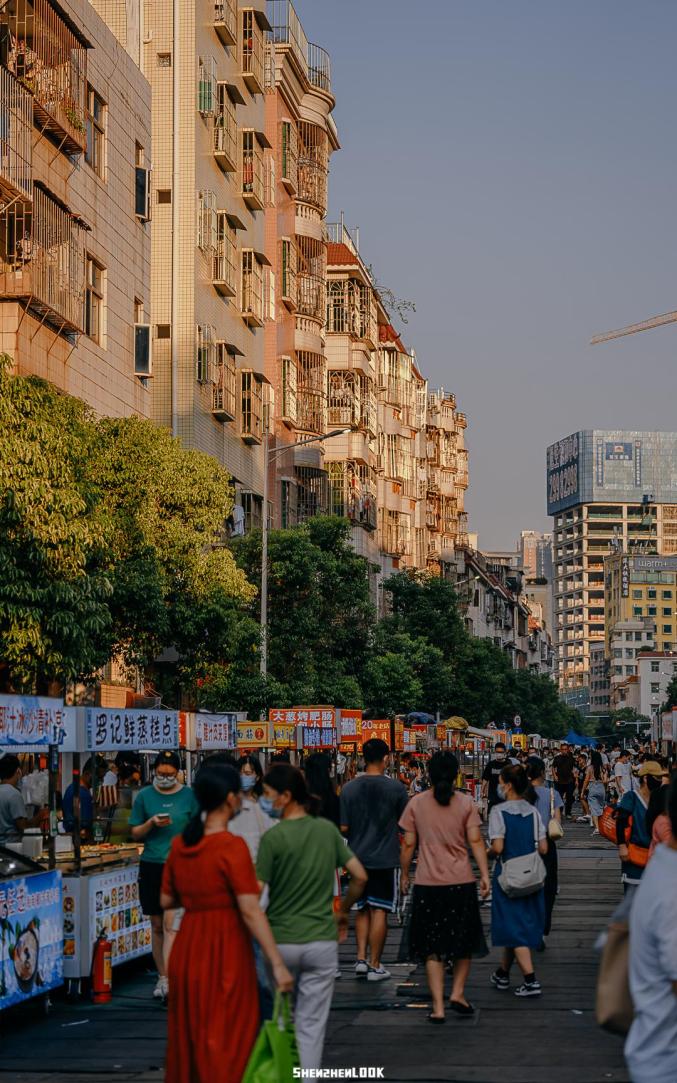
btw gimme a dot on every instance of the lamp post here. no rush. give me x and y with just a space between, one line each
268 457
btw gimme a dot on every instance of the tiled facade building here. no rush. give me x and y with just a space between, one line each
74 232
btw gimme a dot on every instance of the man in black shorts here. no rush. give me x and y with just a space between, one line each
371 806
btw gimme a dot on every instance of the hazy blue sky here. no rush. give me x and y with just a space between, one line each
512 168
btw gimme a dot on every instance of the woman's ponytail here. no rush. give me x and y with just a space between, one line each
443 771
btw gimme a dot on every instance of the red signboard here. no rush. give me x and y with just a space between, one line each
378 727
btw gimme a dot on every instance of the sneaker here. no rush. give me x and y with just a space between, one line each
361 968
501 981
529 989
161 990
378 973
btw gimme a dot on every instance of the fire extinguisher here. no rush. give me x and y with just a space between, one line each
102 971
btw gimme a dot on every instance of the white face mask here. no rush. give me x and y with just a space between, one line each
165 782
500 790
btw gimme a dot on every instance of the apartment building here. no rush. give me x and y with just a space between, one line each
608 491
656 671
74 233
600 688
300 129
642 587
627 641
447 478
212 283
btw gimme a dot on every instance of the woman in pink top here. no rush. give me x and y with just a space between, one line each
445 922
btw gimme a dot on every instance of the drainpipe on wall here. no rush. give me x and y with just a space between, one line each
175 220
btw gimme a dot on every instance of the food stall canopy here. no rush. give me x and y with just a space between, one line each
422 717
573 738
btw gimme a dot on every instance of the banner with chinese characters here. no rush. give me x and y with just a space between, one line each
31 937
110 728
216 731
409 740
36 721
351 730
303 716
399 736
314 738
284 735
253 735
378 727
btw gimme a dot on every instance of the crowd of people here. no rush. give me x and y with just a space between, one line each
249 876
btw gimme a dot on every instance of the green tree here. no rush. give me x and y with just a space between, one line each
390 685
55 621
671 695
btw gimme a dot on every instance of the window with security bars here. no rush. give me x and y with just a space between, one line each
251 406
207 221
269 294
289 155
288 268
205 356
206 86
251 292
224 392
289 387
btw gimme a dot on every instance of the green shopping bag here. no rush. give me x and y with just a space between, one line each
275 1054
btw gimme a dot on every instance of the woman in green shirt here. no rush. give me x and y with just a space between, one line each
160 813
298 861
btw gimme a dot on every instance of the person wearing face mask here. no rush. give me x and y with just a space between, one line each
213 1010
297 861
160 813
492 774
633 810
253 822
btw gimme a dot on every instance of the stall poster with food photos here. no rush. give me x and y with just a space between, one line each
31 937
115 911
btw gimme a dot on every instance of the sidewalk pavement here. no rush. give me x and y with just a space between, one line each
554 1039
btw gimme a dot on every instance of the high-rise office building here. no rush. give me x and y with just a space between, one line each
608 491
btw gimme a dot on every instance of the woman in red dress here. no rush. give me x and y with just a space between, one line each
213 1007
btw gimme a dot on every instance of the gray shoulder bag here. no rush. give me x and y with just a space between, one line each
523 875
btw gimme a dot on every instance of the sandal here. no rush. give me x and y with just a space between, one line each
436 1018
462 1009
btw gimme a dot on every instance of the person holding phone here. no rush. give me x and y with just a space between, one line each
160 813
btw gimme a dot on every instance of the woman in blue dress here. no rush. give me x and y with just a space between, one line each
515 829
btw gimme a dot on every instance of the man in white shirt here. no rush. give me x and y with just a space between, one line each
623 773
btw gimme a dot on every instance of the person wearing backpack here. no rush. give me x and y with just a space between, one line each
517 922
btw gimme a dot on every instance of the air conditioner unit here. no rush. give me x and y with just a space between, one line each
143 354
142 193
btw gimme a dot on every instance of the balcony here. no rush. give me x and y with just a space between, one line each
42 261
352 493
224 391
313 166
288 274
393 533
311 395
224 275
252 184
289 156
319 68
311 296
251 51
251 294
225 131
48 55
16 142
251 415
225 21
312 61
461 420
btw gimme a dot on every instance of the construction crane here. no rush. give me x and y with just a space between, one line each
633 328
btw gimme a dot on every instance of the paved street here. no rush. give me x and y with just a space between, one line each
384 1025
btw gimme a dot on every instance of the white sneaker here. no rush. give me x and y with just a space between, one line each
161 990
377 973
361 967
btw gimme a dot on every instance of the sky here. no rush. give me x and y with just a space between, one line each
511 166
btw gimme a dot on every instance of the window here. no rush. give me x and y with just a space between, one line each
141 185
637 594
206 86
651 610
164 330
629 653
142 342
164 195
667 629
94 301
651 594
205 359
618 653
636 610
288 272
164 60
667 611
655 687
95 125
251 412
207 222
666 595
628 636
629 671
654 667
251 291
224 393
618 670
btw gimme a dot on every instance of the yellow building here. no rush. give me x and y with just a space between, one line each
641 588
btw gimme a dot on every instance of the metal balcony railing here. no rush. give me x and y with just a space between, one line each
311 296
225 268
50 59
251 53
252 187
225 21
224 391
287 30
225 133
16 143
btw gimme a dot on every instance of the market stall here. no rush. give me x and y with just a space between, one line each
31 932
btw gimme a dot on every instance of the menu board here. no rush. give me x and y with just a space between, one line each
104 903
31 938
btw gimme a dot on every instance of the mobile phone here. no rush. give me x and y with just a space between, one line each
164 817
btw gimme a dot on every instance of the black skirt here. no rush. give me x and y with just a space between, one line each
446 923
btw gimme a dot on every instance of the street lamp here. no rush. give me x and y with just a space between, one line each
268 457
